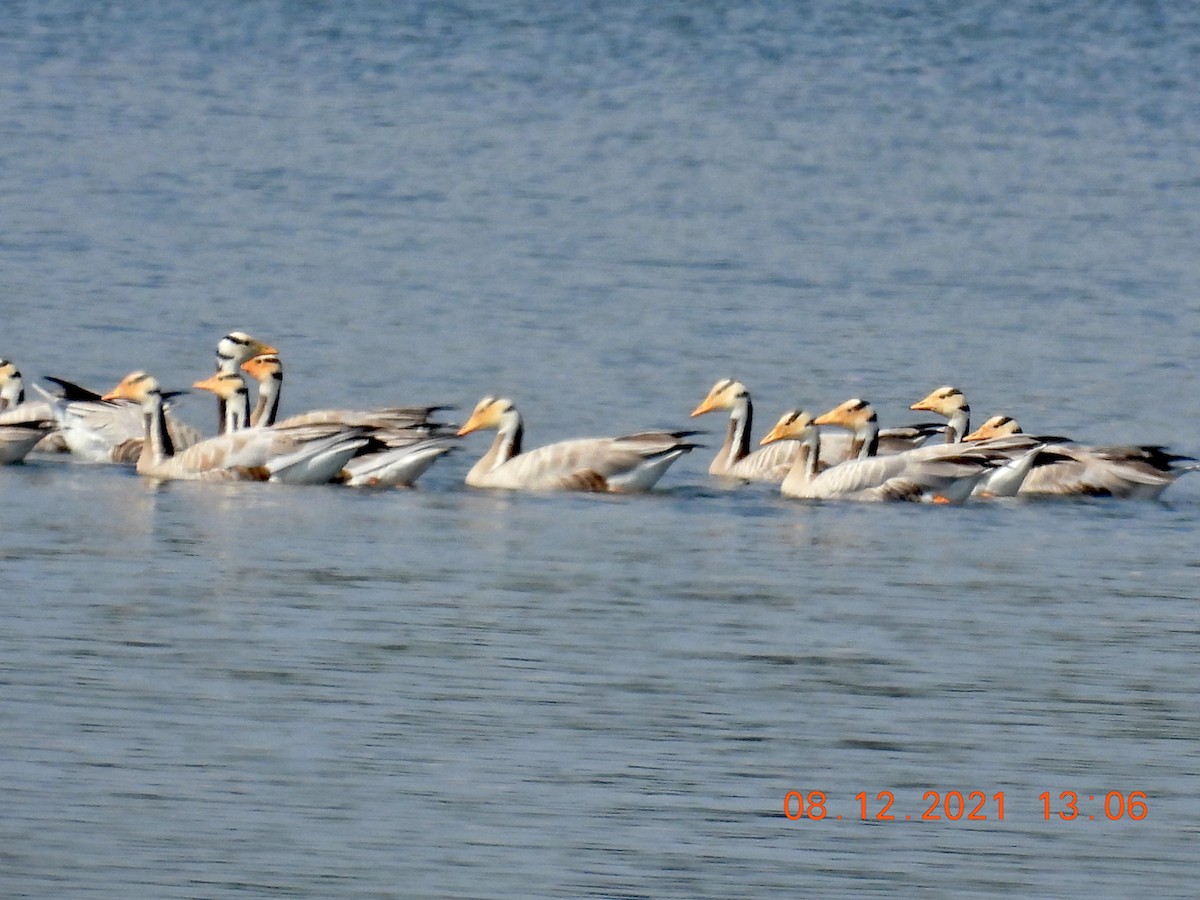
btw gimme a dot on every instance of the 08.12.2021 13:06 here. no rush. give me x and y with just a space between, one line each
969 806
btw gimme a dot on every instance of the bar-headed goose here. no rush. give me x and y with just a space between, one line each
233 350
267 370
920 474
735 459
773 462
624 464
22 425
1067 469
298 455
393 457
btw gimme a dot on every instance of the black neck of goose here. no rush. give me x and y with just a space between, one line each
509 437
866 439
959 425
267 408
237 412
810 451
737 438
158 438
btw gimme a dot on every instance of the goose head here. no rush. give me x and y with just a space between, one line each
136 386
996 426
237 347
490 412
225 385
945 401
264 367
725 394
854 414
792 425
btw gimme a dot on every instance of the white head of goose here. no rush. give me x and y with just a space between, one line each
952 403
735 459
624 464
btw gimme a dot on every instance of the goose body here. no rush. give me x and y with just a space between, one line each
735 458
773 462
937 472
406 440
299 456
1067 469
626 464
106 431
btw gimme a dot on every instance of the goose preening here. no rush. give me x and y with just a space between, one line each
313 455
1068 469
393 457
626 464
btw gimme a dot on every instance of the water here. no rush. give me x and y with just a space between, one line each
239 690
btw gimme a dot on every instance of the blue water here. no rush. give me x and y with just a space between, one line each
245 690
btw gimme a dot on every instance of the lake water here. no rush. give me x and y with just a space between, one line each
598 210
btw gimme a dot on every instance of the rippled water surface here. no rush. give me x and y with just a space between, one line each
249 690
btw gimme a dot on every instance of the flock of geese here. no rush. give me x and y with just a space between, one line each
942 462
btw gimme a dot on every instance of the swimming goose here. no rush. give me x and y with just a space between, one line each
233 350
1069 469
616 464
101 431
734 459
392 458
296 455
22 425
860 419
267 370
773 462
1023 454
934 474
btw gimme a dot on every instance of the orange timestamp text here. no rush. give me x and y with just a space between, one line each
966 806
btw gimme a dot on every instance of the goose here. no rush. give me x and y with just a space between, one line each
773 462
296 455
859 417
392 458
267 370
233 350
1070 469
734 459
106 431
626 464
1023 454
22 425
925 473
